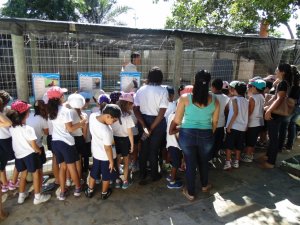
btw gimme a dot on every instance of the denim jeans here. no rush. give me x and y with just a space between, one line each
273 131
196 145
288 126
150 146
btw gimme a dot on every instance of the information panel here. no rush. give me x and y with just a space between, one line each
41 82
130 81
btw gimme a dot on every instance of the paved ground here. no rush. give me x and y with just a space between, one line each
248 195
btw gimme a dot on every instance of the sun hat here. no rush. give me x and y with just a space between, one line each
45 98
104 98
55 92
233 83
225 85
259 84
20 106
126 97
97 93
76 101
187 90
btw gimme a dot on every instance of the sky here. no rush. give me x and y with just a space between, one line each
145 14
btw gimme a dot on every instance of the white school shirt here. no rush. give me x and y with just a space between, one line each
130 68
120 130
38 123
257 117
76 119
21 137
88 135
4 131
135 129
171 139
60 132
151 98
241 122
50 126
171 109
223 100
102 134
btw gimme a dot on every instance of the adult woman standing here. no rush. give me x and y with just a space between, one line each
151 102
285 77
197 115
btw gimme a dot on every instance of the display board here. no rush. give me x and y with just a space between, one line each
41 82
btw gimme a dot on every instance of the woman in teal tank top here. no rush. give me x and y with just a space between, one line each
197 115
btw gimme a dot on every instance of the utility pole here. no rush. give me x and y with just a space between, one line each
135 19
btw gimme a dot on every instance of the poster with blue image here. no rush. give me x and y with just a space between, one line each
130 81
41 82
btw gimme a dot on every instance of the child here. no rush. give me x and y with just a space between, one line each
6 151
39 123
26 151
76 101
256 116
114 97
102 100
236 124
216 88
123 135
102 139
176 155
63 143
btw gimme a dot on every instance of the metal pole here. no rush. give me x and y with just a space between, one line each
20 66
178 63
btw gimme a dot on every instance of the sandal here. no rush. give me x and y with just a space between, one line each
187 195
207 188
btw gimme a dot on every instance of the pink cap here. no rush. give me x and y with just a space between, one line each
127 97
55 92
187 89
20 106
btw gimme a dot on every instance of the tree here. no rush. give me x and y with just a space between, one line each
230 16
104 11
67 10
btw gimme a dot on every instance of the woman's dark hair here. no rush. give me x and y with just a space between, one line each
4 99
201 87
124 106
296 75
181 87
53 108
155 76
134 55
287 70
40 108
16 118
217 84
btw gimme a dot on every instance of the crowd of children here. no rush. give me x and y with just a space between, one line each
109 133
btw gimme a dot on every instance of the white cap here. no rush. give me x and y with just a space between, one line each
76 101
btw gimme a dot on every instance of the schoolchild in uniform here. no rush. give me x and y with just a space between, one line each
27 152
102 140
63 143
123 135
236 124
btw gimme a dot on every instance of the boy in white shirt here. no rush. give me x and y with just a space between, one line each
102 140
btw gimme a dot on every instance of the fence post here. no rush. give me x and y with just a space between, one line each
178 62
20 65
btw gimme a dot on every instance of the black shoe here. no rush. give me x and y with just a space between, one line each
105 196
143 182
88 193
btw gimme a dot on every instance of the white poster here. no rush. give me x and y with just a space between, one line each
41 82
89 81
130 81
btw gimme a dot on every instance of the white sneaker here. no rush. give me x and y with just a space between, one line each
22 197
236 164
68 182
247 158
227 165
43 198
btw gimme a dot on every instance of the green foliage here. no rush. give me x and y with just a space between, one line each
230 16
93 11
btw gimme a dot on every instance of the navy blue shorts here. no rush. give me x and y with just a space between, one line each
43 156
102 168
176 155
6 152
80 145
252 135
31 163
235 140
122 145
64 152
49 142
